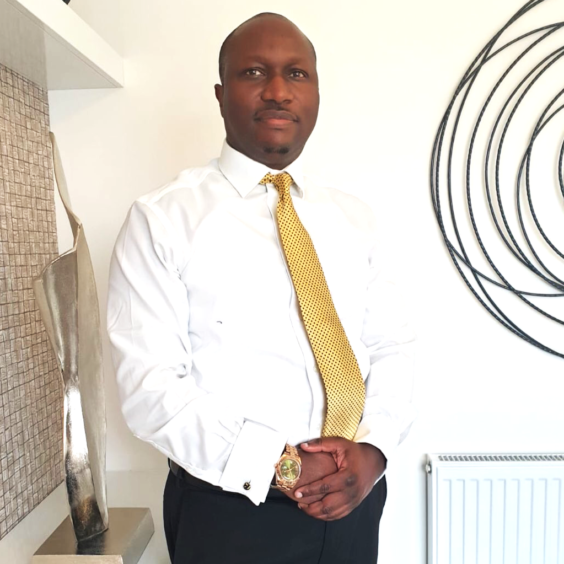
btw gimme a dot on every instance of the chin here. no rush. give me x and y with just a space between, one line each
276 150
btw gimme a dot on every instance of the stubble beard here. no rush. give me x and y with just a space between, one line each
282 150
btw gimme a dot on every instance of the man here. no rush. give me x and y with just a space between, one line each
237 339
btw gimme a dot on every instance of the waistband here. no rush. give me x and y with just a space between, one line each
184 476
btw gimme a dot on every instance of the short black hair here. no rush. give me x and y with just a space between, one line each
225 44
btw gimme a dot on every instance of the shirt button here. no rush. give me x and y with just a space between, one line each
247 486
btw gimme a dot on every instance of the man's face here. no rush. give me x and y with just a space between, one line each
269 98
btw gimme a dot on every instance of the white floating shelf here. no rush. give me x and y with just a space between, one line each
47 42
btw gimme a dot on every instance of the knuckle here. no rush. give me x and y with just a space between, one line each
326 510
351 480
324 488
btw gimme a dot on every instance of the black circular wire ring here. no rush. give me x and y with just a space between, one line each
526 255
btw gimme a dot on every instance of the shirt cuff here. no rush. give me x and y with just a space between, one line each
250 466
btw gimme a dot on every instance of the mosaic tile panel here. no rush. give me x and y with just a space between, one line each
31 400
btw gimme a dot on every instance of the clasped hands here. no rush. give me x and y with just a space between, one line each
337 474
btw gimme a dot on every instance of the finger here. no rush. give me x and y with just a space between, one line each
329 484
313 445
330 508
326 444
349 498
311 499
330 511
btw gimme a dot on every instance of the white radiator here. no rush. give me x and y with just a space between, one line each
495 509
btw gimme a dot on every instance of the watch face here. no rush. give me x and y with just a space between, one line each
289 469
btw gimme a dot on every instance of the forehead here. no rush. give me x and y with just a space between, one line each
267 38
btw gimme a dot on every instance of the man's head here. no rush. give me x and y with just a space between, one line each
269 91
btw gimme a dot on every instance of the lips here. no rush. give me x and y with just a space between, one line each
275 116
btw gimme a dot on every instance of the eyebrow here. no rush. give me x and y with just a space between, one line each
297 60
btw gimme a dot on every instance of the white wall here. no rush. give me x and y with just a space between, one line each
387 72
104 17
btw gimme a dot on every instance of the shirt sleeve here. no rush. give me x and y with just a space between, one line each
388 412
148 326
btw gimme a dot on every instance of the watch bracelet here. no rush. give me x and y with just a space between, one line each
289 450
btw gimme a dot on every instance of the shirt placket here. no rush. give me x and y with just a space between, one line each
312 372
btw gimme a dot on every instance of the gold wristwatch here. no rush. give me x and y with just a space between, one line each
288 469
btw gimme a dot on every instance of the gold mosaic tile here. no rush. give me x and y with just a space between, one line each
31 401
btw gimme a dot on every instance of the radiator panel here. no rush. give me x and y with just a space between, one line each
495 511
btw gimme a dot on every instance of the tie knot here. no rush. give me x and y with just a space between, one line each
282 182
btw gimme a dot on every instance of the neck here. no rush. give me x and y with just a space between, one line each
271 158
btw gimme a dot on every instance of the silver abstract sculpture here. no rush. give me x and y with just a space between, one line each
66 294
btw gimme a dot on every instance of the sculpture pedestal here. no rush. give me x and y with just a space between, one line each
123 543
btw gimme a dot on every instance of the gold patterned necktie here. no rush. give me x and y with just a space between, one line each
344 386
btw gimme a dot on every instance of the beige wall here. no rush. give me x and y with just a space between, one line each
387 72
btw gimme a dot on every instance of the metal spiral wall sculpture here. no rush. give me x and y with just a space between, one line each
497 176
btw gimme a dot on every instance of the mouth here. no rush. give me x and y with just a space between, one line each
276 117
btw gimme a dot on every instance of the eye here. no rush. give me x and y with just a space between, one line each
253 72
297 73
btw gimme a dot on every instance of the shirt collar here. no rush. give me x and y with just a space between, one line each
245 174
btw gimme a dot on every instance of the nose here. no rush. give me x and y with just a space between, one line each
277 90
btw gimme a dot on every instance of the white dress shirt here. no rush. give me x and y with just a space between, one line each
213 364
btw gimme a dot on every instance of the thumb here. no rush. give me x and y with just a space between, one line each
325 444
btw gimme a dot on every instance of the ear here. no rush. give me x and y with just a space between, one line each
219 96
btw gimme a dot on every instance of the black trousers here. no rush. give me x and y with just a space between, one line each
205 525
